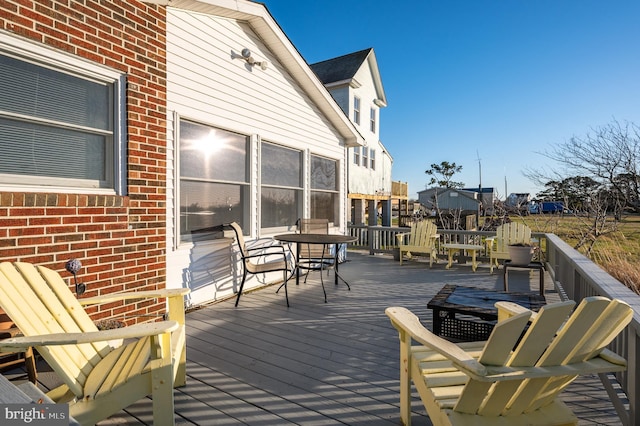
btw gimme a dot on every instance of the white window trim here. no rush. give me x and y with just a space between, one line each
45 56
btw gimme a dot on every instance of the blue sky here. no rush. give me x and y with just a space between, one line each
501 81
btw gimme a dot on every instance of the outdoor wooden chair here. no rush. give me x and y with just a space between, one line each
260 260
515 377
98 380
25 358
422 239
506 234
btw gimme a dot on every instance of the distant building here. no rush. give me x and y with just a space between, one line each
488 198
353 80
449 199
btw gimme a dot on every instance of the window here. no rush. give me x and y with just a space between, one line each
365 158
59 122
281 192
373 120
356 155
214 178
324 189
372 158
356 110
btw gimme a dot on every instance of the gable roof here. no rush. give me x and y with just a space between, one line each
257 16
342 70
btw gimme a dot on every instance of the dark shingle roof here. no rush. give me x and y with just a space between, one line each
340 68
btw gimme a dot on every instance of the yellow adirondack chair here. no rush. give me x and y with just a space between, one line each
98 380
506 234
422 239
507 380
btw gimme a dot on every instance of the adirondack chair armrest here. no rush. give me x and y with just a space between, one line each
148 294
400 237
490 241
135 331
593 366
406 322
612 357
509 309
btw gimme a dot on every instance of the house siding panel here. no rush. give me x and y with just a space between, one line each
210 82
364 180
120 240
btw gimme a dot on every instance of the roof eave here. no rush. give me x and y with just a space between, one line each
265 26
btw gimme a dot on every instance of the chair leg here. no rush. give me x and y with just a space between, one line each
30 365
244 277
322 282
162 396
286 294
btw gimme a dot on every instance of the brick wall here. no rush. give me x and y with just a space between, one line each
120 240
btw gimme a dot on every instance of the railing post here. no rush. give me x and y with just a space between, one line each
633 381
371 238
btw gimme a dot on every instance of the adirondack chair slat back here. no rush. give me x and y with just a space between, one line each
517 377
555 337
512 233
540 333
24 290
422 232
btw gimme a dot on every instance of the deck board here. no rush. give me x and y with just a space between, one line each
319 363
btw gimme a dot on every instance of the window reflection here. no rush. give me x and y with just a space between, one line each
214 184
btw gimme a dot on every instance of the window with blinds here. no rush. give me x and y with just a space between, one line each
57 128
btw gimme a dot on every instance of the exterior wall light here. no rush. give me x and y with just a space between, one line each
246 55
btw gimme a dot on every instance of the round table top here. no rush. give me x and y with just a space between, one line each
315 238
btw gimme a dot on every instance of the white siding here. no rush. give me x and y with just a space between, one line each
363 180
209 82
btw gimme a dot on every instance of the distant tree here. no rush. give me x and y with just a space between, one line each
610 156
576 192
441 175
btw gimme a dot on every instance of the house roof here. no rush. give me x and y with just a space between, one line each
484 190
258 17
342 70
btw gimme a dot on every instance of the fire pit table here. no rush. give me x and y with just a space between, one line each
467 314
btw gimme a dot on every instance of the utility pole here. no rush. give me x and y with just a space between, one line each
479 190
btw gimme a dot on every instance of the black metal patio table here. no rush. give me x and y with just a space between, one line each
323 239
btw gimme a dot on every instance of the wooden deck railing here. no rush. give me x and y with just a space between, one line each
575 277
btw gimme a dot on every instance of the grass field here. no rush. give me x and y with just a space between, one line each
617 249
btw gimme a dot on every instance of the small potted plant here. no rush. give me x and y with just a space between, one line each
520 253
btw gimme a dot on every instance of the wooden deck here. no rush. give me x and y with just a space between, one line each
325 364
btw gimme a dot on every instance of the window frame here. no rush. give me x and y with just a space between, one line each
335 192
356 110
245 186
299 188
373 120
372 158
115 157
356 155
365 157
